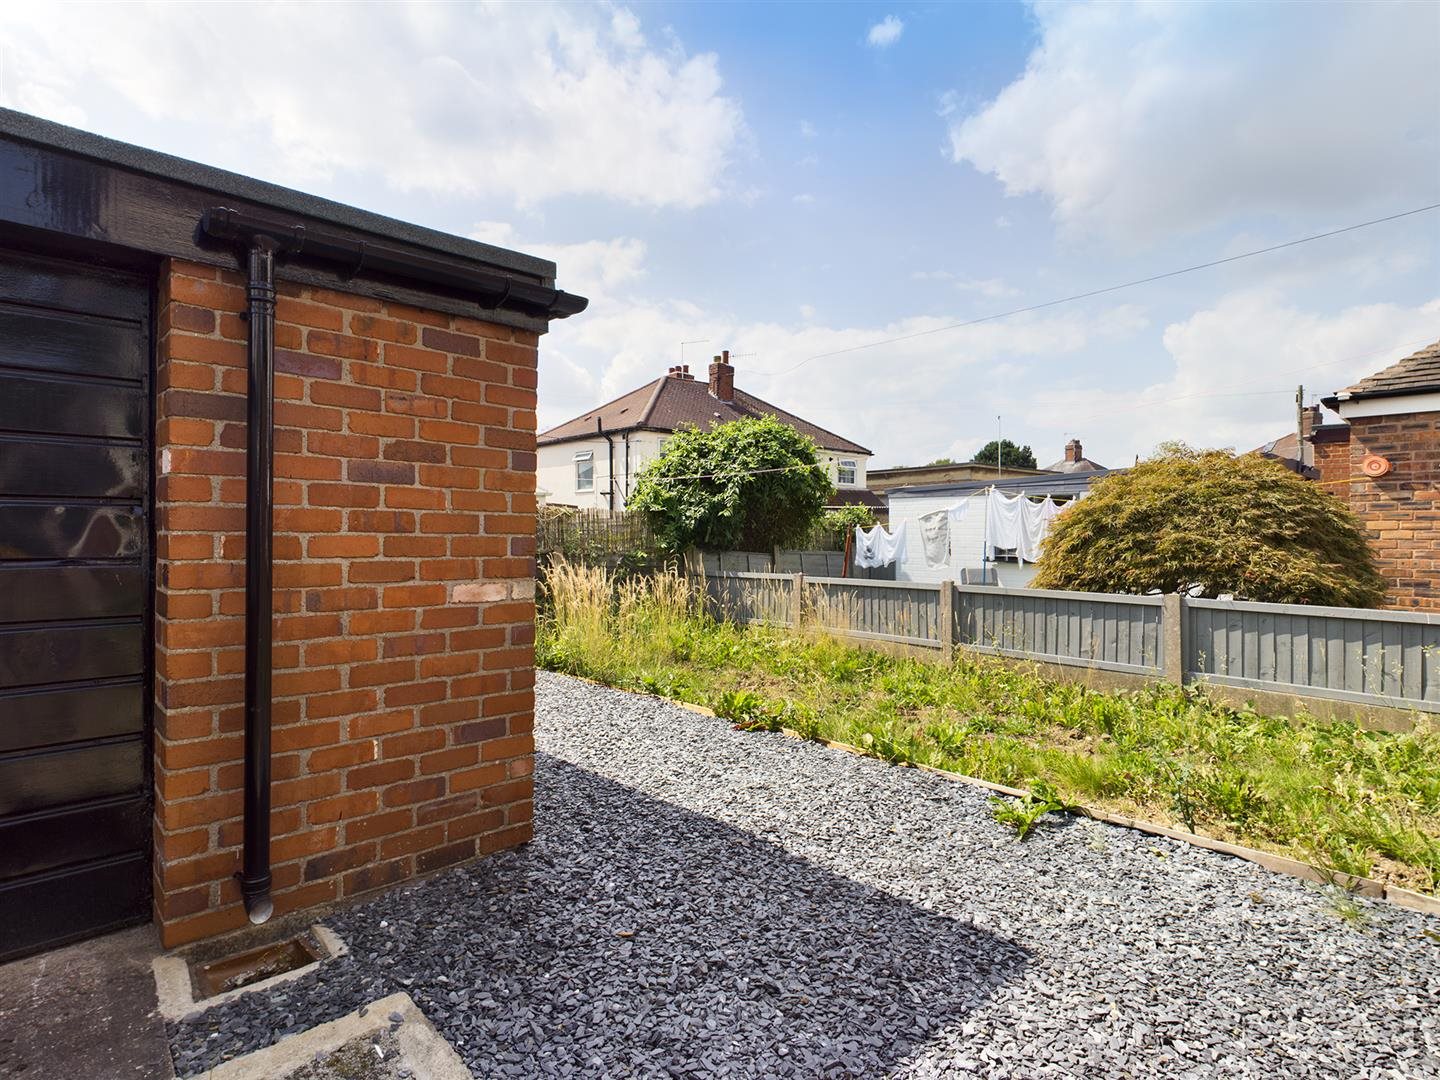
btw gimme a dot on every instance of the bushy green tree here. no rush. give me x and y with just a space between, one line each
751 484
1017 457
842 518
1210 522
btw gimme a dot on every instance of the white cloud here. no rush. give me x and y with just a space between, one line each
991 288
803 199
1140 121
807 130
904 400
592 268
1002 222
522 101
1231 371
885 33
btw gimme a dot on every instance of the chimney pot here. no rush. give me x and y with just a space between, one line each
722 378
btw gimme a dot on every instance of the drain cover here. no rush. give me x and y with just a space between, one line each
233 972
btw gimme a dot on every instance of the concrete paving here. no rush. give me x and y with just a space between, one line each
85 1011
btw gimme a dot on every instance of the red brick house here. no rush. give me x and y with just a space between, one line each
267 498
1384 461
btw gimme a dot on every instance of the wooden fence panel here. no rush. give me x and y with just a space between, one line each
1117 633
1384 658
1371 657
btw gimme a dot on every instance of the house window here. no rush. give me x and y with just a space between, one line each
845 472
585 471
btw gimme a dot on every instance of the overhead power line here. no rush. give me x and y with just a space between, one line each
1147 402
1101 292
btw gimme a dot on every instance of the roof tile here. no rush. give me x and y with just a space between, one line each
1418 373
668 403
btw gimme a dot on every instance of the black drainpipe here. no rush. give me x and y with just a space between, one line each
610 488
259 593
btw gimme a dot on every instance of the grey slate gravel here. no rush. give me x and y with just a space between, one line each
705 902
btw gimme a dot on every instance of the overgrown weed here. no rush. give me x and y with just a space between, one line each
1365 803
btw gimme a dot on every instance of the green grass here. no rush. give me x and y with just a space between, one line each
1330 793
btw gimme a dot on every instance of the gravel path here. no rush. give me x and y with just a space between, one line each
704 902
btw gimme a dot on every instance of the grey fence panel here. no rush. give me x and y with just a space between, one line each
1371 657
1116 633
901 611
1385 658
738 562
752 598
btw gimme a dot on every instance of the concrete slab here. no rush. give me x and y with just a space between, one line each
87 1010
328 1051
177 994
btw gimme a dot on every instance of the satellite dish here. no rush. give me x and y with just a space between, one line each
1375 466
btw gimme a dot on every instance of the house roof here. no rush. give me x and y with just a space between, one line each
1037 486
672 402
858 497
1084 465
1418 373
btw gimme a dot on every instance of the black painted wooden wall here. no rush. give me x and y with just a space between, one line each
75 588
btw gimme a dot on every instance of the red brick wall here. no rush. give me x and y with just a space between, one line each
404 594
1332 458
1401 510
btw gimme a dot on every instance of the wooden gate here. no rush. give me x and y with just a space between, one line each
75 589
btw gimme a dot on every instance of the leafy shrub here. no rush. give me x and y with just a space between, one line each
1210 522
750 485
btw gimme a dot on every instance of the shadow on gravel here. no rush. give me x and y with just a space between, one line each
633 937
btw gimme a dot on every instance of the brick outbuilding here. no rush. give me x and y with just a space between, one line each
136 703
1384 461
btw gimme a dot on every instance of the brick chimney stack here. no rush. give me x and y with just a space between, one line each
722 377
1073 450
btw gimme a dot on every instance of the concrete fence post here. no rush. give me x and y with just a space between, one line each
797 603
1172 634
947 619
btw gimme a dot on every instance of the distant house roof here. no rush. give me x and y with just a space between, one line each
1418 373
858 497
1075 460
1289 451
952 473
1036 486
680 400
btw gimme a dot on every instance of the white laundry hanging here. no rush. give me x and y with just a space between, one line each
935 538
876 547
1014 523
935 533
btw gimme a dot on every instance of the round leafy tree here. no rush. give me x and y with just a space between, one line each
751 484
1004 452
1208 522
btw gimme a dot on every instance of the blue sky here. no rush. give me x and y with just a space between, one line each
786 180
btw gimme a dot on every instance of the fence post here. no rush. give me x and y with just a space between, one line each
947 619
1172 633
797 602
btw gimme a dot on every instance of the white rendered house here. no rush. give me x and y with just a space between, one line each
592 461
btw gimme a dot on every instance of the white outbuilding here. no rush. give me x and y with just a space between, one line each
983 546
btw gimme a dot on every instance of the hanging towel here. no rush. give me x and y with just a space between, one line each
1014 523
1004 523
935 538
866 543
892 545
876 547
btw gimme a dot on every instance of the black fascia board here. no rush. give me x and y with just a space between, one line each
115 197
